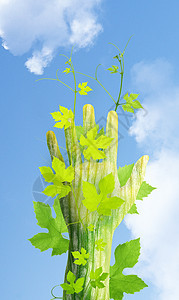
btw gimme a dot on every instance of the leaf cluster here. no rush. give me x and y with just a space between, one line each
96 278
101 202
60 179
131 103
126 256
63 117
93 144
73 287
56 226
124 174
81 257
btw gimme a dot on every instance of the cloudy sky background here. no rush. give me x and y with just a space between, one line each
32 36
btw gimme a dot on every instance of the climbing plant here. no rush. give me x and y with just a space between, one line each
92 196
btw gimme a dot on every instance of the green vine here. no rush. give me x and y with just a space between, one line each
120 57
104 202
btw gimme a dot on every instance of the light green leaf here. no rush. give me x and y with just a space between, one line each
68 61
94 144
136 104
100 202
81 257
56 226
67 70
53 190
78 285
47 173
67 288
130 103
100 245
96 278
84 88
92 199
129 283
101 132
113 69
62 175
71 277
91 227
126 256
131 97
107 184
73 287
107 204
124 174
65 119
144 191
79 131
133 209
127 107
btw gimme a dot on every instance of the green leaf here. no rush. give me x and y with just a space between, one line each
144 191
67 70
96 278
131 97
113 69
100 245
101 132
79 131
81 257
92 199
130 103
91 227
136 104
62 175
124 174
84 88
47 173
65 119
94 144
126 256
133 209
73 287
78 285
56 226
68 61
100 202
129 283
127 107
71 277
67 287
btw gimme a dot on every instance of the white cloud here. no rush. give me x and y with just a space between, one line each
44 26
39 61
157 133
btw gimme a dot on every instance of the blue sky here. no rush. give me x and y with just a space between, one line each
32 37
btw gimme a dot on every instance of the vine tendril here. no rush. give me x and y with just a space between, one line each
54 297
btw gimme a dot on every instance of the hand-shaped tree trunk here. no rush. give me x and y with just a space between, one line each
74 210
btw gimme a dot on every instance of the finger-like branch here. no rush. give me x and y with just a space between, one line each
53 146
112 132
72 145
129 192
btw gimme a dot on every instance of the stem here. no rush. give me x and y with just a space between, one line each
86 288
78 239
99 84
57 80
122 75
75 91
122 69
